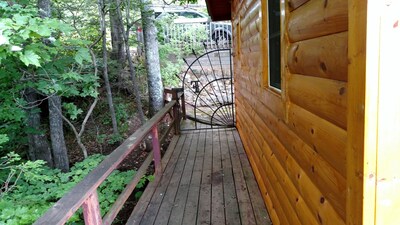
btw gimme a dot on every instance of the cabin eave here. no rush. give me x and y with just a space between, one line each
219 10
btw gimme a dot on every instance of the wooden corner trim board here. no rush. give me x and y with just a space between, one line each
373 113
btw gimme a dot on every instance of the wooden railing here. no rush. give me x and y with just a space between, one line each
84 194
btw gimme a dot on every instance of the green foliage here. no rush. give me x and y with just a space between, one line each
42 55
171 65
22 33
114 139
173 48
39 187
11 170
124 111
72 110
83 15
3 139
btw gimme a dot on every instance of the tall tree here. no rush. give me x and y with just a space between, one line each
103 32
125 35
154 82
59 149
39 147
117 41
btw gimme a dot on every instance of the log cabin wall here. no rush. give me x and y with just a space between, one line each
295 138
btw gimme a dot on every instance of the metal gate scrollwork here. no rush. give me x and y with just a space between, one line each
208 88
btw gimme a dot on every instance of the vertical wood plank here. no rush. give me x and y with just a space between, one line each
367 202
165 193
217 179
156 149
258 205
179 203
192 204
264 177
91 210
245 207
167 203
388 138
355 115
230 197
204 211
152 192
169 158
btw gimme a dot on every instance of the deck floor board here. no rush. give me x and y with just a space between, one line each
207 180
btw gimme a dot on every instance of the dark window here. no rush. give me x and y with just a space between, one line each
274 43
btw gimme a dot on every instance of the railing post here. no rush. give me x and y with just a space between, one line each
156 149
91 210
176 113
183 106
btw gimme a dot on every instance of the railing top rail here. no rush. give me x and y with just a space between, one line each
69 203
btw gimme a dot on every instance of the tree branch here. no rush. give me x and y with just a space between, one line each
87 116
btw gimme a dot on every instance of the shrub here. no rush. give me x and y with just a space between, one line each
38 187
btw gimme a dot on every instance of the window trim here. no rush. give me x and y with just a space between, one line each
266 49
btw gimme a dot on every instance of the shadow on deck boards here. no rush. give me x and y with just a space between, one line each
207 179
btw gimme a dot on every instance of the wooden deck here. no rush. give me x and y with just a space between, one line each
207 179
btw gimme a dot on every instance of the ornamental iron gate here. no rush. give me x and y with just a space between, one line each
208 89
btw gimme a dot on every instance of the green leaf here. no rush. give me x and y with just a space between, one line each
44 31
20 19
25 34
72 75
30 58
82 55
72 110
3 139
3 39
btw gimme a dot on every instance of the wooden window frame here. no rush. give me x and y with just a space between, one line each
266 49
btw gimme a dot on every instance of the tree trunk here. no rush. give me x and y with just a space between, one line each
44 7
38 145
105 67
130 61
117 41
60 155
154 82
59 149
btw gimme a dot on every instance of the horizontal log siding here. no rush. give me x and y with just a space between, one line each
317 18
296 140
324 97
294 4
324 57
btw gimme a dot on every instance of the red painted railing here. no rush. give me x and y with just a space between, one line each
84 194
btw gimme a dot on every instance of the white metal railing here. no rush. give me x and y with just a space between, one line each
215 35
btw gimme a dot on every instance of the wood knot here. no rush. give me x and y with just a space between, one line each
296 48
322 200
315 148
342 90
323 66
326 3
290 4
312 169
